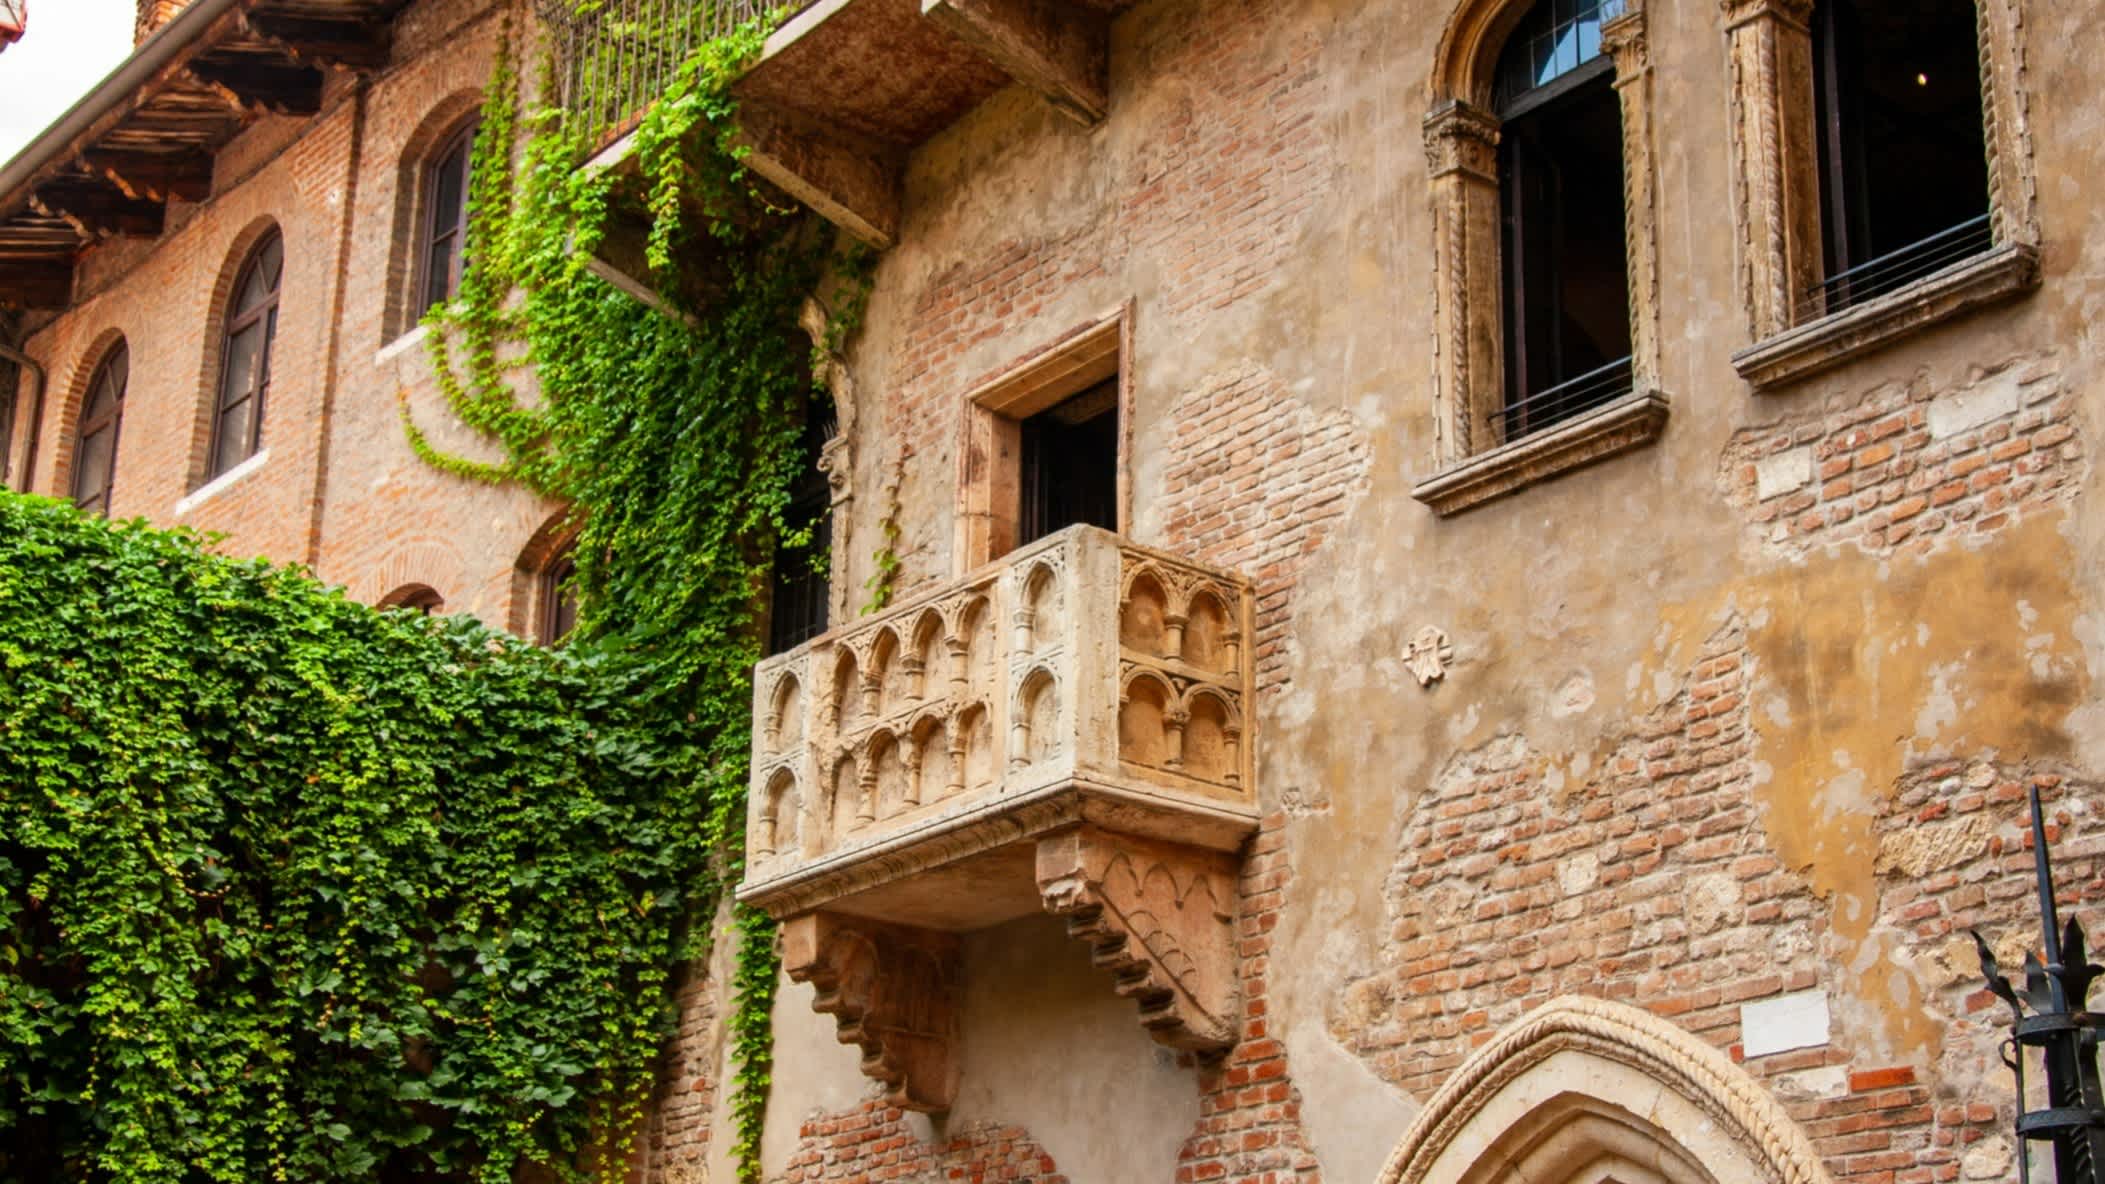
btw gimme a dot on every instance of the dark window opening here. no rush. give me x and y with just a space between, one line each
1070 465
445 229
559 597
95 442
417 598
244 373
1903 151
1567 294
801 583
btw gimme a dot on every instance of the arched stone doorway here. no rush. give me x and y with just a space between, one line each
1585 1091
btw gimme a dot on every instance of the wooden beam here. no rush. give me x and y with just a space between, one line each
854 185
35 284
360 45
1059 49
288 89
97 210
154 177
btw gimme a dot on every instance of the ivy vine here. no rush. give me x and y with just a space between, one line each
293 889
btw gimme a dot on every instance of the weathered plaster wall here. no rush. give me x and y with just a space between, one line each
1742 713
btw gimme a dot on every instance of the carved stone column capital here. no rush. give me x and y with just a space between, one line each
1462 138
1742 12
892 990
834 462
1160 918
1623 39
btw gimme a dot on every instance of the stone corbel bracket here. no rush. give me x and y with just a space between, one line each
892 990
1161 918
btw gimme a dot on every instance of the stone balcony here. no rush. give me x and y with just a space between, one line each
1065 731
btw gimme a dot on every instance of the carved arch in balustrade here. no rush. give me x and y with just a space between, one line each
924 662
968 637
1144 610
885 775
1040 605
780 806
1148 705
784 726
1212 630
1034 723
1583 1090
844 693
933 771
1213 735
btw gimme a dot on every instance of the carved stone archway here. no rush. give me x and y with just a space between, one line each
1583 1090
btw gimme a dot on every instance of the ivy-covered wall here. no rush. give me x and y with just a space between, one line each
295 889
299 890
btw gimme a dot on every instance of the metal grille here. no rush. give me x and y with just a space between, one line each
1566 399
615 57
1897 269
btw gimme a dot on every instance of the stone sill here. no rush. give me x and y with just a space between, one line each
212 488
1632 421
400 345
2001 274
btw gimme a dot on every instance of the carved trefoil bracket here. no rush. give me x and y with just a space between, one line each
1161 918
892 990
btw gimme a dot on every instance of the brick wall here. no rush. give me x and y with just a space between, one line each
1212 194
1255 482
874 1142
332 186
1908 462
1653 882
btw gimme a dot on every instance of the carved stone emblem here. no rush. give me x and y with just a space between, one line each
1428 655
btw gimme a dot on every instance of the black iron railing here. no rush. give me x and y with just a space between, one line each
1566 399
615 57
1896 269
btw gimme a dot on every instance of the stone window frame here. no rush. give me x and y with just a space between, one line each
1461 145
990 452
1777 196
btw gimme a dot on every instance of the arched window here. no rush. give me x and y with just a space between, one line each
95 440
1545 248
245 357
558 597
1560 161
442 237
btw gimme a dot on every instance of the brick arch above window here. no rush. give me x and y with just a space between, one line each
221 313
538 576
441 137
96 427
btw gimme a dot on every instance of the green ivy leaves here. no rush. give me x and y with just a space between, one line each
294 889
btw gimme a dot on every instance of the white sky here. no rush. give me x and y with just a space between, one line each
67 46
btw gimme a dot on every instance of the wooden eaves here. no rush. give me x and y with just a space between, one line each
146 135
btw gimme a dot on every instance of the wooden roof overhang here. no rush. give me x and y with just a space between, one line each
148 132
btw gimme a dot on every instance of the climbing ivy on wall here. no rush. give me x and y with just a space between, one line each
293 889
296 889
671 430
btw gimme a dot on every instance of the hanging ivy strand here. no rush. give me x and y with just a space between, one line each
671 426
